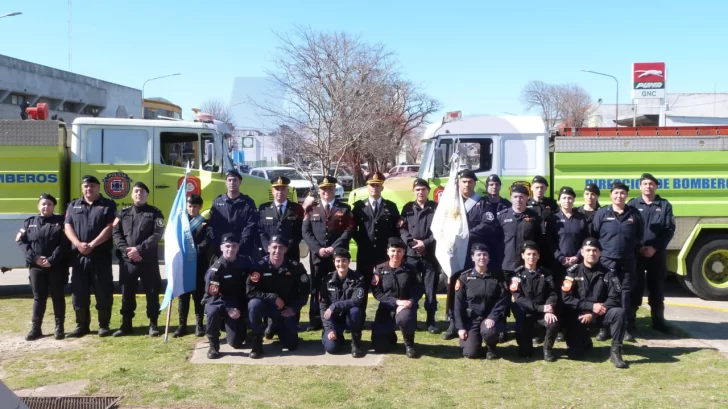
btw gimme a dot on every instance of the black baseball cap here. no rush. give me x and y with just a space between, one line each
529 244
48 196
591 242
230 238
420 182
467 174
519 189
620 186
396 242
591 187
195 199
566 190
539 179
90 179
141 185
342 252
648 176
277 239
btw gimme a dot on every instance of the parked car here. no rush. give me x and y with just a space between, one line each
344 177
299 181
402 169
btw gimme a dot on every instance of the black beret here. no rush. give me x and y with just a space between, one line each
591 187
493 178
519 189
649 176
375 178
396 242
529 244
141 185
539 179
591 242
48 196
479 247
342 252
230 238
467 174
420 182
90 179
282 181
620 186
234 173
195 199
566 190
279 240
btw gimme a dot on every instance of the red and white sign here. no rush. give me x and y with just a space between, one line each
649 79
194 186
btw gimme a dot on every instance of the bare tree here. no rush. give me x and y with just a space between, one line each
574 105
220 110
538 94
567 104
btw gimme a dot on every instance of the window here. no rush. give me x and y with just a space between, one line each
16 99
179 149
117 146
519 157
69 107
477 154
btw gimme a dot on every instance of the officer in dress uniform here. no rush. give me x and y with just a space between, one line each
224 298
235 213
327 225
45 249
88 226
619 229
591 202
535 292
398 289
137 232
376 221
659 228
481 301
281 218
592 297
482 228
277 289
414 228
342 300
202 236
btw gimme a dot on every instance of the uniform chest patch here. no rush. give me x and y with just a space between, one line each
255 277
489 216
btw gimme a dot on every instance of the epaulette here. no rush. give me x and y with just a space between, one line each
504 211
519 269
572 268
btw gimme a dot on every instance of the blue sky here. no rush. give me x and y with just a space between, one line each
473 56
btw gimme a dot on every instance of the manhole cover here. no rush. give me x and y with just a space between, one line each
72 402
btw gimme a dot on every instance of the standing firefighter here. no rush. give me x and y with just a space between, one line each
281 217
327 226
414 227
342 299
88 226
234 213
201 234
45 248
137 231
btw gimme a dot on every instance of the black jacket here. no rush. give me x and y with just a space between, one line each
658 221
620 236
341 295
288 282
43 237
479 297
392 284
533 290
141 227
584 286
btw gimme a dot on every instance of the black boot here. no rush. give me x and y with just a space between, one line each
181 329
409 345
126 327
548 352
214 351
431 323
658 320
257 351
199 327
269 330
616 357
451 333
153 329
629 337
59 333
490 352
35 332
560 337
356 350
104 319
603 335
83 318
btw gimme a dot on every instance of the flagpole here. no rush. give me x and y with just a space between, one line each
169 318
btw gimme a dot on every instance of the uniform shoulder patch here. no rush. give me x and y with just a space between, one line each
617 284
255 276
567 284
375 280
304 278
214 288
160 222
515 284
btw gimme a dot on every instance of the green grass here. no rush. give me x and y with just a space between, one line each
148 372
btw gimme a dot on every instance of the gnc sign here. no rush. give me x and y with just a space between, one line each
649 80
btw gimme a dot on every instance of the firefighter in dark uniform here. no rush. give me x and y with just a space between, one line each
327 225
281 218
592 297
591 202
536 294
482 228
224 298
342 300
414 228
481 301
234 213
45 249
88 226
544 207
619 229
137 232
566 231
376 221
659 228
202 236
398 289
278 289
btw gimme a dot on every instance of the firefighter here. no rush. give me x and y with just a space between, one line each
235 213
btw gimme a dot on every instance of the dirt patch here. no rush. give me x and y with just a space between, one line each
17 343
674 343
62 389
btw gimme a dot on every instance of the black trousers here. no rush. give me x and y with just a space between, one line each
45 281
218 317
528 328
129 276
626 269
183 308
478 334
430 278
93 272
577 335
651 273
321 267
450 301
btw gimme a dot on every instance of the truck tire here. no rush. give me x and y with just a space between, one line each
686 284
708 275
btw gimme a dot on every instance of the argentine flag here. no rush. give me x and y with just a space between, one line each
180 255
